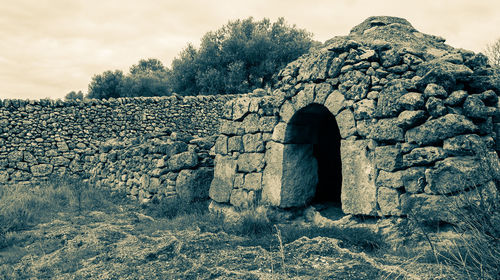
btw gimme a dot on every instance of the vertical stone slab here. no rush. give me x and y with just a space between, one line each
300 175
272 178
359 192
224 173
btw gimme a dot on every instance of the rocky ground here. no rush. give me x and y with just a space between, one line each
127 243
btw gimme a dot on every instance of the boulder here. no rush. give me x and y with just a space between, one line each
413 179
183 160
409 119
435 107
465 145
224 173
433 90
456 98
474 108
364 109
436 130
412 101
194 184
359 192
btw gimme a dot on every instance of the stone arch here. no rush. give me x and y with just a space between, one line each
306 166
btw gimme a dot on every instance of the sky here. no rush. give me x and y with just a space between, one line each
51 47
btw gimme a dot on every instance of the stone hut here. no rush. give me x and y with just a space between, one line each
385 121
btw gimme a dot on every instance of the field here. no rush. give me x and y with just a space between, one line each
67 229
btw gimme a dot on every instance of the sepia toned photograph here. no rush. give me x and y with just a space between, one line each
250 140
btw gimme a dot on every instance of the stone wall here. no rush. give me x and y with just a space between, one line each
43 138
419 123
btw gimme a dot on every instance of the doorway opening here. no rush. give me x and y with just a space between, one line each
314 128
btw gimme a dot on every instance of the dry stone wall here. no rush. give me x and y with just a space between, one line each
419 123
149 146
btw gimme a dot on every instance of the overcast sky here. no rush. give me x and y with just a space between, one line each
50 47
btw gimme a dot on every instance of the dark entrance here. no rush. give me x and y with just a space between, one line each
315 125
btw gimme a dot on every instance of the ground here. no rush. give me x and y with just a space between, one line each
131 242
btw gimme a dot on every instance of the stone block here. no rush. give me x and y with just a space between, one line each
434 90
287 111
60 161
251 162
456 174
335 102
253 143
15 156
346 123
304 97
413 179
387 130
436 130
388 201
41 170
231 127
221 145
390 179
251 123
234 144
194 184
409 119
253 181
241 106
4 177
388 158
267 123
182 161
423 156
435 107
412 101
359 192
224 174
242 199
322 92
364 109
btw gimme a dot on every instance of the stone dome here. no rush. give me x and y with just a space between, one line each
383 121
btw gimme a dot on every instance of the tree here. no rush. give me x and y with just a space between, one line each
239 57
72 95
147 78
106 85
493 53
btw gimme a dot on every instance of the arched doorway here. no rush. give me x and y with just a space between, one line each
312 157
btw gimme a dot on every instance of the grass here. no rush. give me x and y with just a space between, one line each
24 206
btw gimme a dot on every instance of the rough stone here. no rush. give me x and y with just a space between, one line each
253 181
456 174
414 179
234 144
435 91
423 156
182 161
224 173
346 123
359 191
390 179
253 143
251 123
388 200
41 169
388 158
194 184
242 199
409 119
435 107
241 107
335 102
364 109
412 101
474 108
456 98
221 145
465 145
388 104
287 111
290 176
436 130
4 176
387 130
250 162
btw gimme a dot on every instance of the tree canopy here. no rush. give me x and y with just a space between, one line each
493 53
239 57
